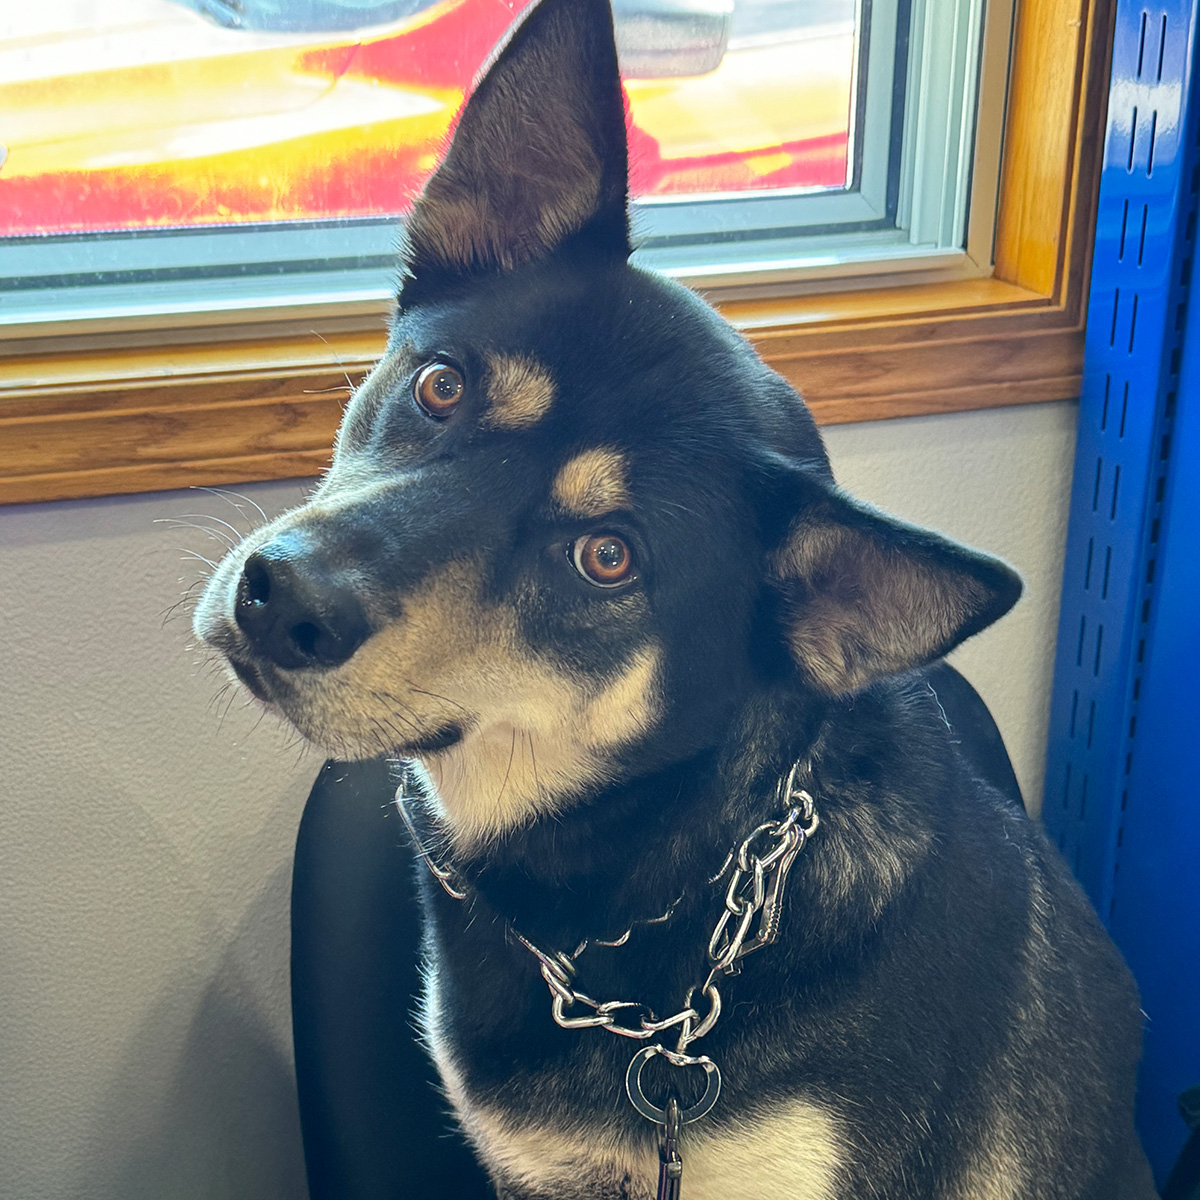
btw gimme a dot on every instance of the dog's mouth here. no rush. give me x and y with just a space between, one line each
434 743
252 679
256 681
420 746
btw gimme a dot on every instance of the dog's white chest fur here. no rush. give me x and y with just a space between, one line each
790 1153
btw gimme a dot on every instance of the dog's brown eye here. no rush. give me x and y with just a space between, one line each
604 560
438 389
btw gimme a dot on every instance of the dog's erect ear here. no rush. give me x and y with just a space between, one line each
865 595
539 153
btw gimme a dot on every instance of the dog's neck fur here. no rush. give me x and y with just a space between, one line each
597 867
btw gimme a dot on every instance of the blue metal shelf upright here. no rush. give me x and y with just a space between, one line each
1122 795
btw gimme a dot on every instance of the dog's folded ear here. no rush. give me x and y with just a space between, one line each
539 155
864 595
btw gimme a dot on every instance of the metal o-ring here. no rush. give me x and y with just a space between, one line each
633 1087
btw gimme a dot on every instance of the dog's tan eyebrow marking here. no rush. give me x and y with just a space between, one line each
593 483
519 391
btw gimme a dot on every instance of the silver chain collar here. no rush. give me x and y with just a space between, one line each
758 869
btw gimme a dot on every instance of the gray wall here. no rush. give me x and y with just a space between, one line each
146 829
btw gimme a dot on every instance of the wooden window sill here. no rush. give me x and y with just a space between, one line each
112 418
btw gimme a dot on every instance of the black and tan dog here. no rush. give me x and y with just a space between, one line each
580 557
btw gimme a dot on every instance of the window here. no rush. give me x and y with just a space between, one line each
176 156
248 387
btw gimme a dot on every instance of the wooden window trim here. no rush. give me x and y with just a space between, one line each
121 417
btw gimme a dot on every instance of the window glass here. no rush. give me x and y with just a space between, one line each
124 115
176 162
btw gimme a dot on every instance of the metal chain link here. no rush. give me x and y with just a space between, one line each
755 890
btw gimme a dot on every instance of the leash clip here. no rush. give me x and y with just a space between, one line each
670 1162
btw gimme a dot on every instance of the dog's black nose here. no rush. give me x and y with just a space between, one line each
294 611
